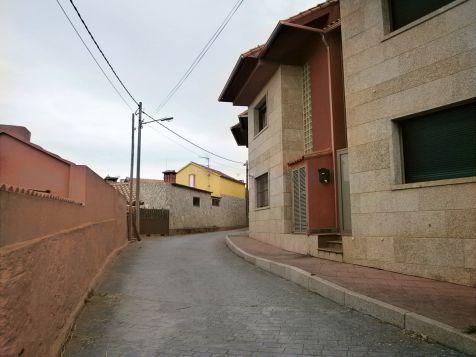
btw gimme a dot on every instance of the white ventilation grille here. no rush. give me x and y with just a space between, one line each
299 200
307 110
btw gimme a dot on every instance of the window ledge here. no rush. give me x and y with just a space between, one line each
455 181
422 19
259 133
261 208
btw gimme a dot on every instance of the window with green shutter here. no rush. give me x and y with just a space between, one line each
440 145
404 12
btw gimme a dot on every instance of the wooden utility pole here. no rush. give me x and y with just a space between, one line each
131 196
139 130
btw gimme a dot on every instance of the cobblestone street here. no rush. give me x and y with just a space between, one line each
191 296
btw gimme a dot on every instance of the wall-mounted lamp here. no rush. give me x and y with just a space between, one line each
324 175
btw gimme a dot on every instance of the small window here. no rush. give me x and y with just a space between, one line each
262 191
405 11
191 180
261 120
196 201
216 201
440 145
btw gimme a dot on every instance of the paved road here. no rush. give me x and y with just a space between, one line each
191 296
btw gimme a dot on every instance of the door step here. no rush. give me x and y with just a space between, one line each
329 246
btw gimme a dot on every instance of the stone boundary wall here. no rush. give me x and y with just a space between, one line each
184 217
51 253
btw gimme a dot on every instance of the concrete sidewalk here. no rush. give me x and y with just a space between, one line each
437 309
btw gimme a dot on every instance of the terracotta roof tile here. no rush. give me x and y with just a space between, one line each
308 11
35 193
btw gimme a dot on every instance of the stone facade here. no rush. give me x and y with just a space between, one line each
183 215
269 152
426 229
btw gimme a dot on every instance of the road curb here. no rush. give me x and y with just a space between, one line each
437 331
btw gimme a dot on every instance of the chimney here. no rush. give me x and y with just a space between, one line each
169 176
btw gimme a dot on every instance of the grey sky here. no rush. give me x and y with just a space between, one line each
50 84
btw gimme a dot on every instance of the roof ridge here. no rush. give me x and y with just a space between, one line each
305 12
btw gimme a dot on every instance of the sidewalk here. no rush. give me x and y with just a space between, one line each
450 304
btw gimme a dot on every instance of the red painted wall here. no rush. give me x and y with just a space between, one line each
25 166
329 131
51 252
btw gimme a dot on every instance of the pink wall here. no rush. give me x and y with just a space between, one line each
15 130
50 253
25 166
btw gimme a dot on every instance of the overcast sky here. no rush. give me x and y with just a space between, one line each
50 84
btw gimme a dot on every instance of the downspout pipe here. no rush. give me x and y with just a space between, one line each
331 112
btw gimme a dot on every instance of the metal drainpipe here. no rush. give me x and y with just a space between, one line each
331 111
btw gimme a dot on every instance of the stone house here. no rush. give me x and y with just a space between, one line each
386 178
410 85
190 209
296 134
206 178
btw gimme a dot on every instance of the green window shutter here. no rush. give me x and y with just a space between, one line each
405 11
440 145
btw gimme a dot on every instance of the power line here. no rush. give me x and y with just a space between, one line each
190 142
217 33
92 55
102 53
175 142
194 152
199 57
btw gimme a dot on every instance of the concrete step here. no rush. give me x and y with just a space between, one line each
329 254
333 245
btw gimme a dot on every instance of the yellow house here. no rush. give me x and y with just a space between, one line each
205 178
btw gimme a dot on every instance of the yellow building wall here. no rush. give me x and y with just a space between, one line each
210 181
232 188
204 179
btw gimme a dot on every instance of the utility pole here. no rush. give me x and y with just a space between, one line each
131 197
247 194
139 130
140 124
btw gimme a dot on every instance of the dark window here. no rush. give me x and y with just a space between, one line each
405 11
440 145
261 120
262 193
196 201
216 201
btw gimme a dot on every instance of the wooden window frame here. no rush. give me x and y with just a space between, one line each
261 205
257 116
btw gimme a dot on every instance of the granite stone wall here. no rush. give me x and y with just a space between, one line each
270 151
426 229
183 215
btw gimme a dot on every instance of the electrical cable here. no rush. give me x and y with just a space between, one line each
92 55
102 53
199 57
190 142
197 60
